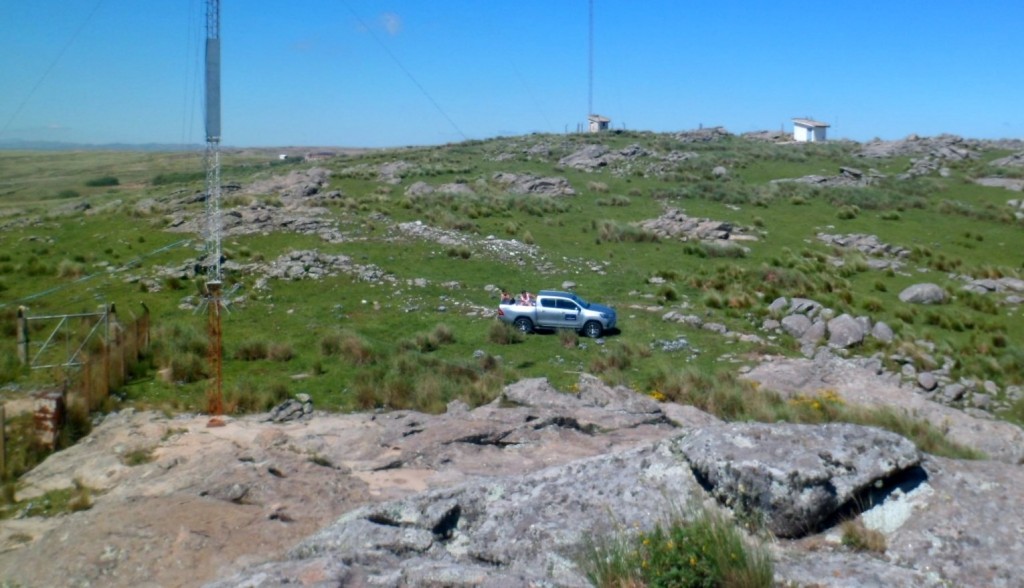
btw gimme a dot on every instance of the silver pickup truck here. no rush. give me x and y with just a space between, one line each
559 310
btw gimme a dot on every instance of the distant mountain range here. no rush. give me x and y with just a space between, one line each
23 145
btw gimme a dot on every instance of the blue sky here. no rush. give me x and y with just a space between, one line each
411 72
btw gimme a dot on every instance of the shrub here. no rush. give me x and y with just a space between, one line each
68 194
859 538
569 338
462 251
187 367
668 293
247 396
102 181
502 333
252 351
848 212
355 350
723 250
280 352
177 178
138 456
873 304
704 551
69 269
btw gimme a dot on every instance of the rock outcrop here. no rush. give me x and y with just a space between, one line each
508 494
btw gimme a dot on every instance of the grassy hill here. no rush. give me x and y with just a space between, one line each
407 320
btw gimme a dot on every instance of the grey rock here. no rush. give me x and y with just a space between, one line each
954 392
530 184
795 476
796 324
804 306
927 381
882 332
778 305
863 386
923 294
845 331
816 332
527 530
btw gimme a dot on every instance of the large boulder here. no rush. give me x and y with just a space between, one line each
796 477
845 331
923 294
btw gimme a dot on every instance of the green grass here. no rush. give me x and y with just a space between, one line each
685 551
340 338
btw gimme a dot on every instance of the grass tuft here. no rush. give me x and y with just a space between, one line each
704 550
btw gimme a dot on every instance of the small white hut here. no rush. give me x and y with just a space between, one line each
598 123
806 130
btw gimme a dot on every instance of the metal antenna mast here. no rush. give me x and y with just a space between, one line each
215 403
213 139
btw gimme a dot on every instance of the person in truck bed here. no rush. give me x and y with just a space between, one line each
506 297
525 298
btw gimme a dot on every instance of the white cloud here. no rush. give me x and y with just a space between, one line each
392 23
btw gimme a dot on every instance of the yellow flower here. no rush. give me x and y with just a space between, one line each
693 561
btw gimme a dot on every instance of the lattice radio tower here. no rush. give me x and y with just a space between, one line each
215 404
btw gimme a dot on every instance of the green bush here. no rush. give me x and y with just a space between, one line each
502 333
102 181
169 178
706 550
252 351
859 538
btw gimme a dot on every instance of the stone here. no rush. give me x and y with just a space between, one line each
881 331
954 392
923 294
796 324
794 476
927 381
845 331
816 332
778 305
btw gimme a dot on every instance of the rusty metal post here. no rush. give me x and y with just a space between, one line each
22 335
3 443
108 312
214 397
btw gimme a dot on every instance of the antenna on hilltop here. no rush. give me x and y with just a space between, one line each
212 291
212 160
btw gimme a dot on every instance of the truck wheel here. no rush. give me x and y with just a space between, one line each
592 329
523 325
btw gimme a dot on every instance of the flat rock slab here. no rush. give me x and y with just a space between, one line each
522 531
795 477
856 382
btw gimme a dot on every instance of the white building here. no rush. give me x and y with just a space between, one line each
598 123
806 130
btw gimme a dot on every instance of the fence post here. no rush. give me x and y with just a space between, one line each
22 335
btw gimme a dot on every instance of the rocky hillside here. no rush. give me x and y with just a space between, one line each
423 445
